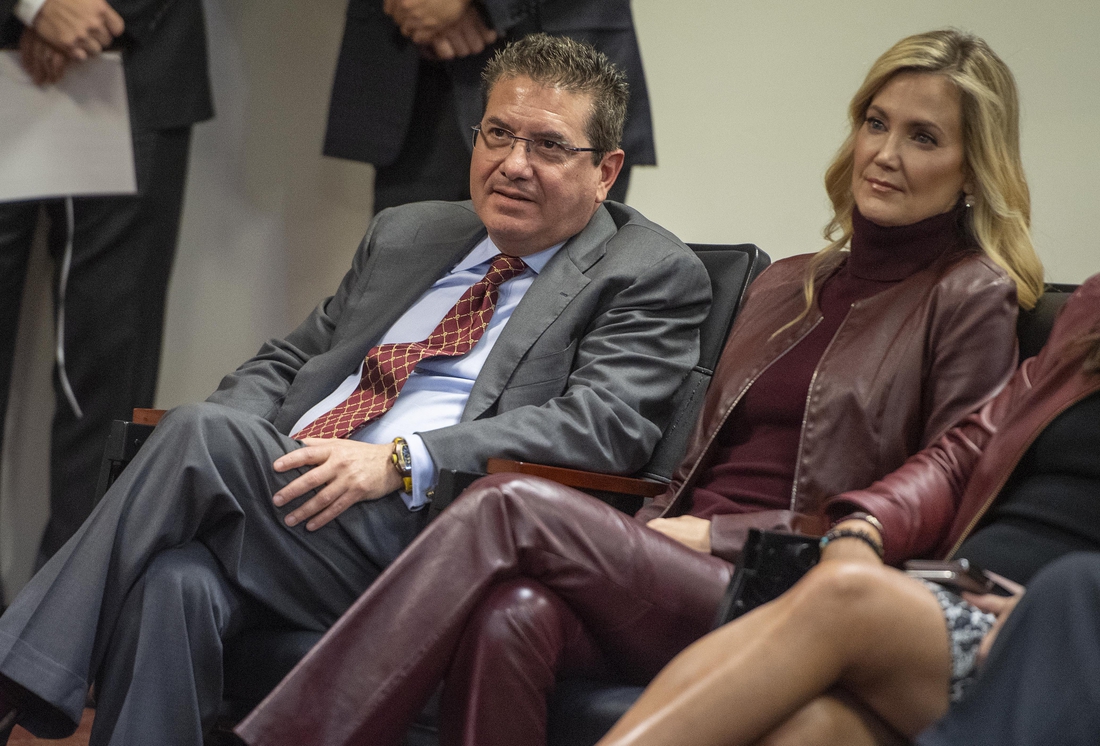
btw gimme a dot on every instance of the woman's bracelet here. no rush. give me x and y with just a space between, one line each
847 533
859 515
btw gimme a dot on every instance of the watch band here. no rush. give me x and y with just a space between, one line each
401 458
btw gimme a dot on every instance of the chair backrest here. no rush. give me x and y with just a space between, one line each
1033 327
731 269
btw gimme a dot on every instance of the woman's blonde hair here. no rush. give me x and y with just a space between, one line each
999 220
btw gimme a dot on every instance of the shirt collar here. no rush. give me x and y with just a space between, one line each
485 250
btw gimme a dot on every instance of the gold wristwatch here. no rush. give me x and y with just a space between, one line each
402 461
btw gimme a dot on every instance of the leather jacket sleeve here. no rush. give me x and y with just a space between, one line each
917 502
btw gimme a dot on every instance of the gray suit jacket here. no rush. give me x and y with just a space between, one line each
582 374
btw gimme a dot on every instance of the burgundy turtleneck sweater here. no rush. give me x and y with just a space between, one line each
754 458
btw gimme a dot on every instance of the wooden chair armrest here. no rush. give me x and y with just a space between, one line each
148 416
582 480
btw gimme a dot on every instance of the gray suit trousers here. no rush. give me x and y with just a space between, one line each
184 550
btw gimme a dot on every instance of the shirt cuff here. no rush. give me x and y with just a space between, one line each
26 10
423 475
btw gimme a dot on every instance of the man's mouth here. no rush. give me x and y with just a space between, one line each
511 194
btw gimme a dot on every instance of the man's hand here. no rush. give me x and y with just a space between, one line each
690 531
468 35
420 20
41 61
998 606
344 472
79 28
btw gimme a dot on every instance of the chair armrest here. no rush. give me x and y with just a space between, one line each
148 416
582 480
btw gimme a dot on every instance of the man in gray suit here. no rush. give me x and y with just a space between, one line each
232 515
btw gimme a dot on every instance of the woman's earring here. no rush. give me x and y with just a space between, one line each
968 201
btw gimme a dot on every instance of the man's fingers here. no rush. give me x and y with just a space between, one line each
335 508
100 36
114 21
313 506
310 455
55 65
311 480
443 48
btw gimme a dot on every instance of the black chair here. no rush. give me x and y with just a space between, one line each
1033 327
731 269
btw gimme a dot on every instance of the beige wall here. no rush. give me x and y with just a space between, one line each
749 101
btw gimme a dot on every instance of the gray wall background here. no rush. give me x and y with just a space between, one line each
749 102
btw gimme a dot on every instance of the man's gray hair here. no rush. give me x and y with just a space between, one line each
574 66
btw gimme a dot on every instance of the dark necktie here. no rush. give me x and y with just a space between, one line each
388 366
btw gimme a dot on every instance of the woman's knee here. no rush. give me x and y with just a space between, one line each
837 593
523 615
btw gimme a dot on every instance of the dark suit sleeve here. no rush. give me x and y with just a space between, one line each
634 352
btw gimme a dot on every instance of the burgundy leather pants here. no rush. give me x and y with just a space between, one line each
640 596
517 642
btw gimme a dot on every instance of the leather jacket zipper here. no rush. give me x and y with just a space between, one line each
806 409
729 411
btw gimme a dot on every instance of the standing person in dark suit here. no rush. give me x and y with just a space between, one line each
406 90
280 499
113 255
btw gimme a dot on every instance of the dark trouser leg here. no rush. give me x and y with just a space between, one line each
161 679
1039 685
642 596
516 644
434 162
123 249
17 222
204 474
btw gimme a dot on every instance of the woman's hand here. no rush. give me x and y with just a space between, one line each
690 531
998 606
850 549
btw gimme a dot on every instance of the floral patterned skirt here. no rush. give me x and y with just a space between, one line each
966 626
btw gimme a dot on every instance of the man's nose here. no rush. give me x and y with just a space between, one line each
518 160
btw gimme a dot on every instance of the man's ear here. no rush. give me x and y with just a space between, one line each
609 169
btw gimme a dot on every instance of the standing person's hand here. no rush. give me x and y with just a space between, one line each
466 36
79 28
43 62
420 20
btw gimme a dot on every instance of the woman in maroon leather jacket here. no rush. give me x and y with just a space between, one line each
839 367
870 630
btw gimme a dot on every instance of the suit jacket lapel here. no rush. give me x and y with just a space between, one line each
547 299
400 275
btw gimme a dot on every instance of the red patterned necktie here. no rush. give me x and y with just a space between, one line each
388 366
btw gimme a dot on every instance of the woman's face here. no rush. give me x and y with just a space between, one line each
909 161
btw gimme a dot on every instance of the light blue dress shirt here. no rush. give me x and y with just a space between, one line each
435 394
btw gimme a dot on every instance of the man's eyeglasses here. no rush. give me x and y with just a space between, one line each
542 149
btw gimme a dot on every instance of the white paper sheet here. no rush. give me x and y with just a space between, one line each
71 138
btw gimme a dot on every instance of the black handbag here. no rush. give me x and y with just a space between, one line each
771 563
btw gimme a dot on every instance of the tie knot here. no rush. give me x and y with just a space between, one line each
504 268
